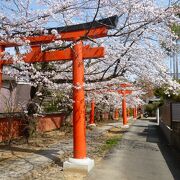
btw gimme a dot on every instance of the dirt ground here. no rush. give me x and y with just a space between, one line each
98 146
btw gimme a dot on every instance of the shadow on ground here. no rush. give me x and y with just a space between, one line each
171 155
50 154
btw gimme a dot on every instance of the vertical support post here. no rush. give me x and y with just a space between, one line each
135 112
116 114
92 112
79 128
2 48
127 112
124 110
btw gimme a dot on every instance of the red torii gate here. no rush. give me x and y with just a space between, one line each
124 93
124 108
75 33
125 115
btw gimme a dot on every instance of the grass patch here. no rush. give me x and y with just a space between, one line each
111 142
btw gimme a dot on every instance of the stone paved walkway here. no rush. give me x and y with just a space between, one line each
139 156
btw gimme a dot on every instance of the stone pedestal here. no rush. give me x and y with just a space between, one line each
82 165
125 126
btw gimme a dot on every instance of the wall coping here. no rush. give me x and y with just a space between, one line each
18 114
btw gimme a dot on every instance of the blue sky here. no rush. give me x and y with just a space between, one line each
163 3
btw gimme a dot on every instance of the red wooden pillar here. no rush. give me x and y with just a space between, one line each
135 113
127 112
116 114
124 110
79 130
2 48
92 112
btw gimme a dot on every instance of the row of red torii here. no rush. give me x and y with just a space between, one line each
79 52
124 89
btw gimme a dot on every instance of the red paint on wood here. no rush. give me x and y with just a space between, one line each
79 127
67 36
92 112
13 127
49 123
116 114
124 111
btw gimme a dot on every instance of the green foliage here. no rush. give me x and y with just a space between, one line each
58 102
160 92
111 142
176 29
151 108
51 107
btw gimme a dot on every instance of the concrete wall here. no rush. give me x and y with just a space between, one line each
167 131
170 128
165 114
17 100
22 95
50 122
6 100
12 127
176 134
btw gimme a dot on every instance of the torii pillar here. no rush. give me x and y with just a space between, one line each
128 112
92 121
79 133
2 48
124 106
135 113
116 114
124 111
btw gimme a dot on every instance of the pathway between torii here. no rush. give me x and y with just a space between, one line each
139 156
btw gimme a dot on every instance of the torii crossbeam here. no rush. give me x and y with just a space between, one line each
78 53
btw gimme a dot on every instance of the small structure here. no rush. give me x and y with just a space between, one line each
14 95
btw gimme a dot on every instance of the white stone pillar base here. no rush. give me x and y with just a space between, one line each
125 126
116 119
73 164
92 125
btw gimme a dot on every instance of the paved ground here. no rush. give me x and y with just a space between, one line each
140 155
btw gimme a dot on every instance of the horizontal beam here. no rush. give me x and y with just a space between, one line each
65 36
125 85
6 62
37 56
112 90
124 91
66 54
93 33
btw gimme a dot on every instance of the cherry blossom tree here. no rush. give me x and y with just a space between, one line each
133 48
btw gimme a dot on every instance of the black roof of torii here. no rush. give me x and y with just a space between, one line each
109 23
